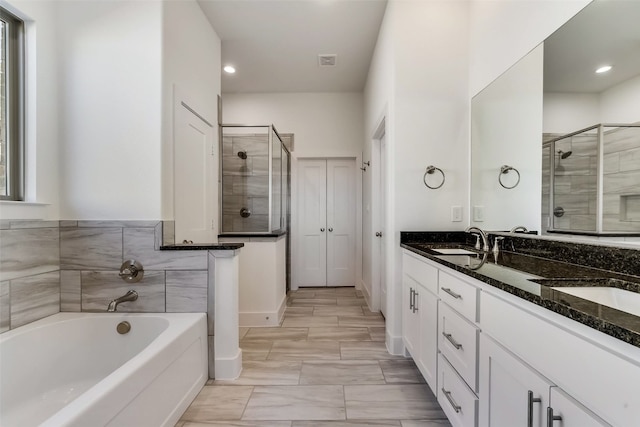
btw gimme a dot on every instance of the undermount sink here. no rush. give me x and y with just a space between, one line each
617 298
454 251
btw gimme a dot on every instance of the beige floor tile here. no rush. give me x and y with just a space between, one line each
348 291
337 333
242 332
304 350
348 423
344 310
407 402
255 350
299 311
426 423
215 403
374 350
307 402
308 321
306 302
352 301
363 321
272 334
367 312
341 372
267 372
401 372
240 424
377 333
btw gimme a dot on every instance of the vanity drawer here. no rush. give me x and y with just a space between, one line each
458 342
460 295
458 402
420 271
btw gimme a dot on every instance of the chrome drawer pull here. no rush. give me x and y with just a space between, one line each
453 342
551 418
415 306
411 301
453 294
453 403
530 401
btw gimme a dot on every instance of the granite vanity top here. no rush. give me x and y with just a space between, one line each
520 271
202 247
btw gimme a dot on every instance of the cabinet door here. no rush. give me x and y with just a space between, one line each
428 351
569 412
410 318
513 394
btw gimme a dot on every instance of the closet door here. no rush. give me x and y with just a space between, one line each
341 223
312 219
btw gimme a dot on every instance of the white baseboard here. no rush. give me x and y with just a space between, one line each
258 319
365 293
395 345
282 309
229 368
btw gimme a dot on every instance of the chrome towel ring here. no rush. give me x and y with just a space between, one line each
504 169
430 171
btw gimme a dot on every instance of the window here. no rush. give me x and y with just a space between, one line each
11 107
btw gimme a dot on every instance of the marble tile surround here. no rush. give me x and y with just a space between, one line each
73 265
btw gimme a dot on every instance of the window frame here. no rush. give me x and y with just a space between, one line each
15 95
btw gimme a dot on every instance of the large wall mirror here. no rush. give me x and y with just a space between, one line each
579 182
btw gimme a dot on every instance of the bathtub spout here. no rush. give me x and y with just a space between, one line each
129 296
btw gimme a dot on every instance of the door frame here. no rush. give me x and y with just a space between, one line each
376 219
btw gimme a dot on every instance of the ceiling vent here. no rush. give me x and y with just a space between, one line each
327 60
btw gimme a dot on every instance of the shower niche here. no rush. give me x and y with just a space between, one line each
591 181
255 165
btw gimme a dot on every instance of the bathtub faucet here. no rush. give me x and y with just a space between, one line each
129 296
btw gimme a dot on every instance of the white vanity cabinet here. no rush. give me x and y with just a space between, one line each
420 315
514 394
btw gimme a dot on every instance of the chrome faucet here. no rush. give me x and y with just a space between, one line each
129 296
519 228
482 235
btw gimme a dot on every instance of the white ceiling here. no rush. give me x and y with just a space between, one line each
605 32
274 44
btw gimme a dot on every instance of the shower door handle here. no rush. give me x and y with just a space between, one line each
322 230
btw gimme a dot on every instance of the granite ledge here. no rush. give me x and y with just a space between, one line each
202 247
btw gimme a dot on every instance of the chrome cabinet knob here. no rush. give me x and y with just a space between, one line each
378 233
322 230
330 229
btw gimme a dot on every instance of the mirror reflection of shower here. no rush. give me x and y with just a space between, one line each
242 154
564 154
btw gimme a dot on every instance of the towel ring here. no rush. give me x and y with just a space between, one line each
504 169
430 170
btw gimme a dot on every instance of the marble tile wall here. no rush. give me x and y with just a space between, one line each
245 182
576 182
91 253
29 271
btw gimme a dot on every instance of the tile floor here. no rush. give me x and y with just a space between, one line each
326 366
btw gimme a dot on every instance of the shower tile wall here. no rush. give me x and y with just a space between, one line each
576 182
91 253
245 182
29 272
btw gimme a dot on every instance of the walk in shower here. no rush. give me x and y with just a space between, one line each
255 165
591 180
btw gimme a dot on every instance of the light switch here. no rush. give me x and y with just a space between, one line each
456 213
478 213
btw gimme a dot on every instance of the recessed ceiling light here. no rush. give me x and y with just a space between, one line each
603 69
229 69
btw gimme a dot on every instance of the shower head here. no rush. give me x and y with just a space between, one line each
564 154
242 155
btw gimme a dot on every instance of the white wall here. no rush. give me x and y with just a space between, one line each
191 65
42 146
569 112
424 93
503 31
110 55
621 103
324 124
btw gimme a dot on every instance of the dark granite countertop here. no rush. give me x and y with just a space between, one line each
520 271
202 247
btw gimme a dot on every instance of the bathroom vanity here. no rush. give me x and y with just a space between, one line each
532 336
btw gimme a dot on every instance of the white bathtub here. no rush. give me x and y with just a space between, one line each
74 369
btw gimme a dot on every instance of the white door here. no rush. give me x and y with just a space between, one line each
312 199
341 223
326 195
567 412
382 188
195 186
